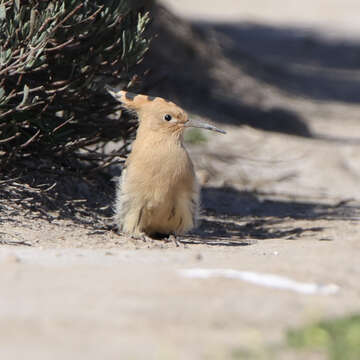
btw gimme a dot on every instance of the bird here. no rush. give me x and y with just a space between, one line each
157 193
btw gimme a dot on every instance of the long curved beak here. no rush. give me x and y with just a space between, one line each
202 125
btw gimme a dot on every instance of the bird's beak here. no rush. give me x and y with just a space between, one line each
202 125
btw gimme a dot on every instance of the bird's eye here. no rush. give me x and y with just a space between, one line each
167 117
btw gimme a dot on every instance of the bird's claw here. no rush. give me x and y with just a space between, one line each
172 238
142 237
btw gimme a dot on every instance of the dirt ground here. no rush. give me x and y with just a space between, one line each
273 203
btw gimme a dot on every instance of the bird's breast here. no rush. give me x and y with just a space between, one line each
160 173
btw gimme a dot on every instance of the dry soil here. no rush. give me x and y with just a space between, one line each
272 203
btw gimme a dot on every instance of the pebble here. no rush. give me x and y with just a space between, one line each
11 259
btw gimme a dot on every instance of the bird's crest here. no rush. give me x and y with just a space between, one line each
134 101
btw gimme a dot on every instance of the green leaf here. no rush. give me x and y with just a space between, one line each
2 12
25 96
32 21
17 5
2 93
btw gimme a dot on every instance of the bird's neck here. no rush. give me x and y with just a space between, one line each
159 146
158 137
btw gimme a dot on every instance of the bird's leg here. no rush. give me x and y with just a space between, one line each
172 238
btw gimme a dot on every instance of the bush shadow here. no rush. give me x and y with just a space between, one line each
55 195
229 217
235 218
296 60
181 64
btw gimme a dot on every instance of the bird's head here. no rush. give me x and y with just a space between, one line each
158 114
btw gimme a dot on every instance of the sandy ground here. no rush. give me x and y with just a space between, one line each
273 203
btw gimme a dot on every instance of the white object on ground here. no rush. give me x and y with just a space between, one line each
268 280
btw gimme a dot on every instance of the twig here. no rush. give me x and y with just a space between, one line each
62 124
9 180
67 17
9 242
30 140
3 141
61 46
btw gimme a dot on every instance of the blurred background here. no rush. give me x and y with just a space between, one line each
282 75
337 17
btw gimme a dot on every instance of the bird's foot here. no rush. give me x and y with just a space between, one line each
142 237
172 238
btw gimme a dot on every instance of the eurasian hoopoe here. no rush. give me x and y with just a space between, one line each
157 192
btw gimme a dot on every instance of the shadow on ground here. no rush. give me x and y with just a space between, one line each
237 218
229 217
296 60
54 196
184 64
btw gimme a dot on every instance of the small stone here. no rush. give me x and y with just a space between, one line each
326 239
11 259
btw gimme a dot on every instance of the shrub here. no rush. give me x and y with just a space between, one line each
55 57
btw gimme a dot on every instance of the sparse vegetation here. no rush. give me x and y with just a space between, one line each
55 57
338 338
